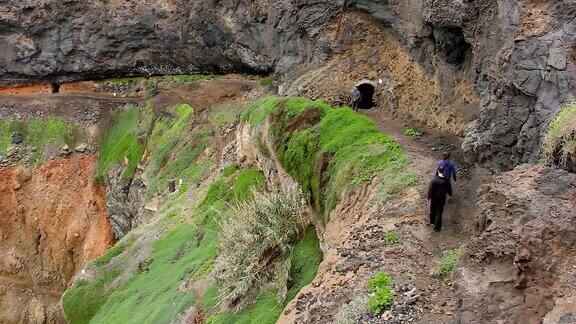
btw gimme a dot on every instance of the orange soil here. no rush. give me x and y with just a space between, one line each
52 222
24 90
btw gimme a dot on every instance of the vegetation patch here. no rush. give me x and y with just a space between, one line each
267 81
448 263
560 140
38 132
412 132
326 148
382 295
306 256
124 140
166 134
391 238
81 302
257 238
223 116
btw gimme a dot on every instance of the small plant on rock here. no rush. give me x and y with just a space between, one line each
448 263
382 295
267 81
560 140
391 238
412 132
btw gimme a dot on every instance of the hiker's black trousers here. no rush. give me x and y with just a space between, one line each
436 210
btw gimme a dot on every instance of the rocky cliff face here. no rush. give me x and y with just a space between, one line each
52 222
523 254
518 54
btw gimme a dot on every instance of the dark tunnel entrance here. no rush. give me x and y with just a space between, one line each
55 87
366 89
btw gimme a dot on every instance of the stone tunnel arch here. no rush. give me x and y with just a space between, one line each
367 89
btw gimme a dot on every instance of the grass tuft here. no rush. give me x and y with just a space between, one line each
448 263
255 237
560 140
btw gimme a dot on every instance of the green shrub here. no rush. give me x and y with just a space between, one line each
391 238
382 295
448 263
560 140
251 233
412 132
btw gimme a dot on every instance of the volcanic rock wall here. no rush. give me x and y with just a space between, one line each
518 54
524 254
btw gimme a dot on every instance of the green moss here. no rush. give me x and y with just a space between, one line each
210 297
84 300
342 149
223 116
259 110
39 132
154 295
229 170
123 140
110 254
246 181
265 310
166 134
306 258
181 165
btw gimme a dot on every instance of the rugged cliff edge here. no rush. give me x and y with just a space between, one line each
517 55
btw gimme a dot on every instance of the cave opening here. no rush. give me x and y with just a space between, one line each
55 87
366 89
451 44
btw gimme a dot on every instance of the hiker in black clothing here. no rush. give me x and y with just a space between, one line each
437 191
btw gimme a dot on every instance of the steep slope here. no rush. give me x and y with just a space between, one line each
53 221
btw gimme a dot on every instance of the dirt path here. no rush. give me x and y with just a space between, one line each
54 295
424 152
458 218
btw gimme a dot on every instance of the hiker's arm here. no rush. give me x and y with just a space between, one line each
449 188
430 188
455 173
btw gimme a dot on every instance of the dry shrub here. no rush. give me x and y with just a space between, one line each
256 242
560 140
